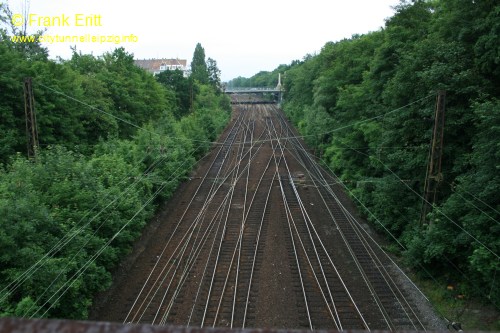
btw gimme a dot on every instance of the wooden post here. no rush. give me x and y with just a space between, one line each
434 176
31 126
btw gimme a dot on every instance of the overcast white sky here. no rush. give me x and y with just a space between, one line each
244 37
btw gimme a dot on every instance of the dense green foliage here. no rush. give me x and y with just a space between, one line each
199 70
111 84
114 142
367 104
214 74
261 79
182 87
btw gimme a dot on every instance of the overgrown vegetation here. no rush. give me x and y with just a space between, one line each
114 142
261 79
367 104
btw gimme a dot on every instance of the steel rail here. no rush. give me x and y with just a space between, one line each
391 284
231 190
228 137
257 241
334 316
317 235
221 297
352 253
242 228
189 264
206 265
288 216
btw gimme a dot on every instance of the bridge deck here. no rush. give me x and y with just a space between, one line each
251 90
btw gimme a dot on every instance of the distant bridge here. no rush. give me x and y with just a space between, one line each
276 92
248 90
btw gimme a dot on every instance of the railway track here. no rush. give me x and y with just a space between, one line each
395 311
263 240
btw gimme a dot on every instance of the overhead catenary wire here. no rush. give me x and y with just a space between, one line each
94 108
336 129
88 240
385 166
66 239
208 199
345 210
350 250
77 228
176 293
334 314
437 209
189 252
241 142
309 262
224 230
429 274
374 257
73 233
172 235
344 185
65 287
226 220
185 272
476 207
244 141
238 242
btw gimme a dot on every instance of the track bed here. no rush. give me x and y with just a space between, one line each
261 236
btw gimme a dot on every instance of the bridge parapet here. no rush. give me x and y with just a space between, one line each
251 90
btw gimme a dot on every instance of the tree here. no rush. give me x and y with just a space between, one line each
199 70
174 80
180 86
213 74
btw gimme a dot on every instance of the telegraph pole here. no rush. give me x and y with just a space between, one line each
434 177
29 110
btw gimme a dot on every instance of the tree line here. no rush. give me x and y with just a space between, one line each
261 79
366 104
115 142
